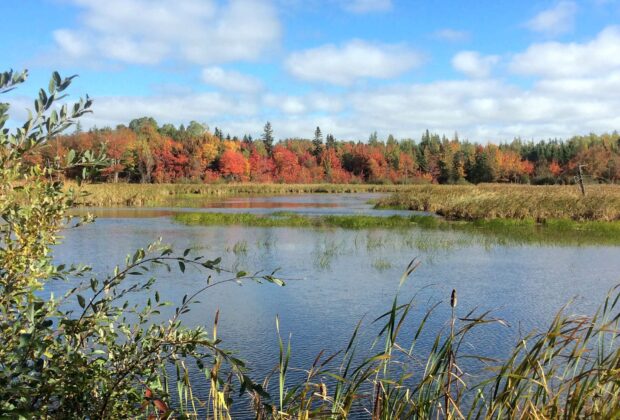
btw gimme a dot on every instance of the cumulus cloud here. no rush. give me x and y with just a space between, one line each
112 110
473 64
479 109
151 31
554 21
287 104
574 90
366 6
554 59
451 35
342 65
230 80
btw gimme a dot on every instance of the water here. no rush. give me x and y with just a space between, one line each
336 277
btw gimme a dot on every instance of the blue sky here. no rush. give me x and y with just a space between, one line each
491 70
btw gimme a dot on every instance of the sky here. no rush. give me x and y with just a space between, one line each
490 70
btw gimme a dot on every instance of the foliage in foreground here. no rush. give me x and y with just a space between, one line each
92 354
88 353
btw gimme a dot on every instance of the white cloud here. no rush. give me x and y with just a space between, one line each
208 107
451 35
479 109
287 104
574 90
366 6
556 20
151 31
71 43
472 64
342 65
556 60
230 80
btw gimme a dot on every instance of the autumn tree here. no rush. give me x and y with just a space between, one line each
234 165
119 149
286 164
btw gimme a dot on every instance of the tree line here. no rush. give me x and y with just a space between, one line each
146 152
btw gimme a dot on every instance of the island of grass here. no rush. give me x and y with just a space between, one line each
510 201
551 231
540 213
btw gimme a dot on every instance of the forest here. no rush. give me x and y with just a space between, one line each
145 152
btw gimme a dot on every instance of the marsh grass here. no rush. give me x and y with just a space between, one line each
569 370
327 251
508 201
500 231
240 248
190 195
381 264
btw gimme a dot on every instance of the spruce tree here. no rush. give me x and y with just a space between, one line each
317 142
268 138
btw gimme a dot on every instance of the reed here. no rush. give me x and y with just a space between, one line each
138 195
568 371
508 201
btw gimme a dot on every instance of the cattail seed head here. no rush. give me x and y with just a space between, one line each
323 390
453 299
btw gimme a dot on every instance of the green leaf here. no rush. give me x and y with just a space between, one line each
70 157
81 301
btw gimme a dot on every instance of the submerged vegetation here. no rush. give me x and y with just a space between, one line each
96 353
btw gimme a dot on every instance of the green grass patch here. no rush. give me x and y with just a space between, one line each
552 231
287 219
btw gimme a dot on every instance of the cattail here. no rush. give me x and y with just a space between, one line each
453 299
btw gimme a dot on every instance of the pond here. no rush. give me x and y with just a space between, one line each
335 277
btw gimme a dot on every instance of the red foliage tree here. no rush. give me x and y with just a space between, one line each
234 165
287 166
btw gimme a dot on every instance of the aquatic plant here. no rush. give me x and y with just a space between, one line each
510 201
510 231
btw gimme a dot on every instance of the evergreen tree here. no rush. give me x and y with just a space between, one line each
219 134
330 141
373 139
268 138
317 142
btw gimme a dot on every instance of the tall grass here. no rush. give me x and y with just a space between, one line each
504 201
456 202
136 195
551 231
570 370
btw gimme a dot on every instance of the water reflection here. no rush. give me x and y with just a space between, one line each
337 277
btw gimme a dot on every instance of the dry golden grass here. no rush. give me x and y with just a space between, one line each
509 201
136 195
455 202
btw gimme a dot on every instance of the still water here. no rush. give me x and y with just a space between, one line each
336 277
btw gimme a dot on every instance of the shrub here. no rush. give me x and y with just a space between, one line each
89 353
